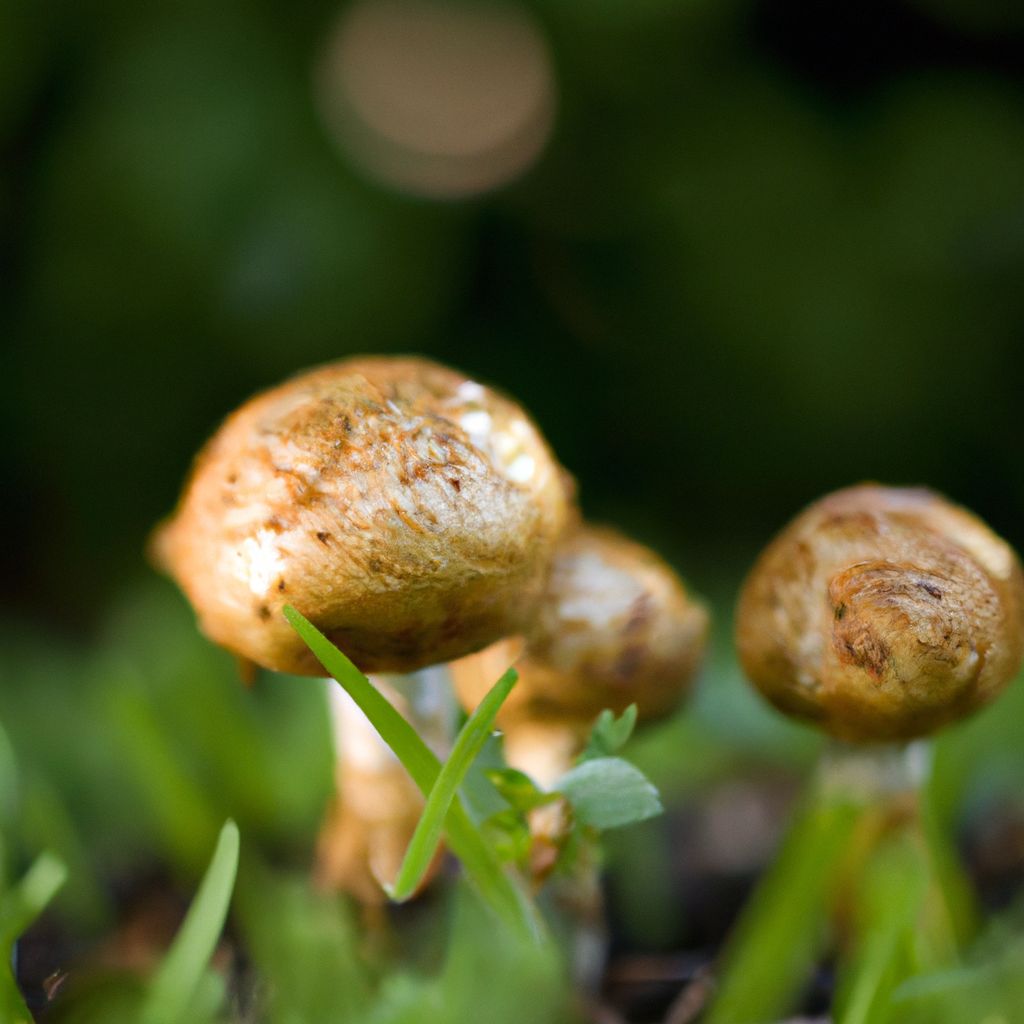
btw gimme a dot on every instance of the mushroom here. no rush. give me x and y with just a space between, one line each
406 510
614 626
882 614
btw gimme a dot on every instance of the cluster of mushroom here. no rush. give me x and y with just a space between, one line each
420 521
417 517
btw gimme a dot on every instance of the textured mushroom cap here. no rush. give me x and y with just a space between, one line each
409 512
882 613
614 626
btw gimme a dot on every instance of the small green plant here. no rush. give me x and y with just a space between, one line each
468 744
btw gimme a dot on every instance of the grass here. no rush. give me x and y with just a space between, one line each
19 907
179 981
468 744
482 866
123 760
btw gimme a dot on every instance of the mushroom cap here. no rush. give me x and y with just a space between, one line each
882 613
409 512
614 626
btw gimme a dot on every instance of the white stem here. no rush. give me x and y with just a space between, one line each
423 698
869 773
376 804
545 750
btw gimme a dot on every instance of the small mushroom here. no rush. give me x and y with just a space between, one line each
882 614
614 626
409 512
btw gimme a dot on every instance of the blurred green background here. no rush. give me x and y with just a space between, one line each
767 249
770 249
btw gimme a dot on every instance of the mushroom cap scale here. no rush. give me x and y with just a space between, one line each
882 614
406 510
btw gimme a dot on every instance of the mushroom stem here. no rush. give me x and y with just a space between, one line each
542 748
863 802
580 903
875 772
545 749
376 805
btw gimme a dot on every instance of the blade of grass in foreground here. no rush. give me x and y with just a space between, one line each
27 900
18 909
428 830
181 973
481 863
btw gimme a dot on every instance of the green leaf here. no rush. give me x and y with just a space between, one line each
468 743
482 865
510 836
607 792
609 734
519 790
180 976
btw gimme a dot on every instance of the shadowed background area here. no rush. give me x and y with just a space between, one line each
730 253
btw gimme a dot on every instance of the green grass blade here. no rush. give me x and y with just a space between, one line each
953 889
468 744
481 863
417 758
19 908
180 975
27 900
905 926
890 902
781 931
309 952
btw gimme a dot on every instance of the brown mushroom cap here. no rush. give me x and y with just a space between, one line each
614 626
882 613
407 511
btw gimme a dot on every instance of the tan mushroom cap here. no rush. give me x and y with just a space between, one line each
614 626
882 613
406 510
